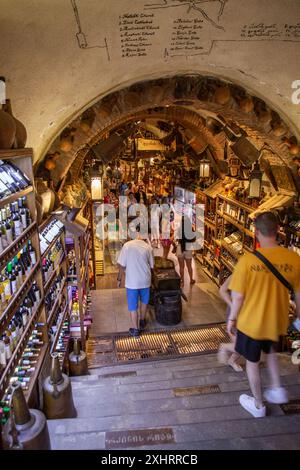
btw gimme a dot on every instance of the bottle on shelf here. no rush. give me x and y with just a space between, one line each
12 179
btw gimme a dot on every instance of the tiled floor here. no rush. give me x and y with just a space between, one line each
110 314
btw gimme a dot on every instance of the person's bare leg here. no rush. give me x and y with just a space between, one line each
134 319
166 251
181 269
233 362
190 270
143 312
253 374
273 370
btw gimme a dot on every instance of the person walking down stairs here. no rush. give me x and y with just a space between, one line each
259 310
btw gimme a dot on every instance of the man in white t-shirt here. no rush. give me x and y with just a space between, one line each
136 260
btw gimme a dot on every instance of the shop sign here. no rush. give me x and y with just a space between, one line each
149 145
138 438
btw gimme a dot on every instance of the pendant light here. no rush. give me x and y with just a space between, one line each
255 182
204 169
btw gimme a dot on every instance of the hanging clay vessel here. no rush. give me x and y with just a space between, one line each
294 149
66 140
247 105
21 133
292 145
7 130
50 161
222 95
279 130
87 120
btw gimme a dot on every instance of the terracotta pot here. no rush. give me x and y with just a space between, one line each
66 144
247 105
294 149
50 164
7 130
21 133
222 95
279 130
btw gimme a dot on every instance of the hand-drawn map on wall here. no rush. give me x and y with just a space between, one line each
81 35
177 28
194 5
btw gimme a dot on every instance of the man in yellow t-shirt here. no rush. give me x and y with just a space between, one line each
259 312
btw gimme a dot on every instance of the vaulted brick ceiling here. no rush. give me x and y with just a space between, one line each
61 57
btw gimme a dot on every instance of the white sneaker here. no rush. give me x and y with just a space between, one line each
248 403
276 395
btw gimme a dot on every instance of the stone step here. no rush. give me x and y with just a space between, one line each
138 384
133 377
197 359
124 405
153 420
179 364
84 397
270 432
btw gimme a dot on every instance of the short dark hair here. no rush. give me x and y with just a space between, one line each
267 223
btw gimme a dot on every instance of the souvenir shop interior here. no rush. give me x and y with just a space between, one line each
59 249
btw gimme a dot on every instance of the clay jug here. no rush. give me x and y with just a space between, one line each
21 133
7 130
222 95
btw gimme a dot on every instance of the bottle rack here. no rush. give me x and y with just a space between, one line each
78 243
22 334
57 307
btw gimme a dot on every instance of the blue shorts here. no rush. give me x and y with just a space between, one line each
133 296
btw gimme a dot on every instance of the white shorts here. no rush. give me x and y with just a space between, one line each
187 254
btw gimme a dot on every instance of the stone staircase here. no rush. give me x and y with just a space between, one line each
183 404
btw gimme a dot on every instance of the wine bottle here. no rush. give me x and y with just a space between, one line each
2 353
31 253
8 229
16 219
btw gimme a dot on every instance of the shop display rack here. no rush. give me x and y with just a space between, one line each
229 233
24 232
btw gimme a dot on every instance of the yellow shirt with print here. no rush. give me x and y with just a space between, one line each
264 313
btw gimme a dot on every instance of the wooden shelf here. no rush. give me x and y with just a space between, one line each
232 221
17 299
217 264
227 264
199 258
14 196
210 223
249 233
56 303
236 203
208 247
213 278
208 261
18 351
14 247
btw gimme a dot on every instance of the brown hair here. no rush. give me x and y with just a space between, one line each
267 223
